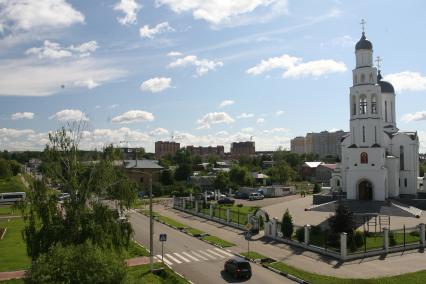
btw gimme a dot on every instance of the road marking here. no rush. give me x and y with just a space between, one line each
181 257
203 252
199 255
174 259
215 253
223 252
165 260
190 256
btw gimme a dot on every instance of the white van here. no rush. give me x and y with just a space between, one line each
255 196
12 197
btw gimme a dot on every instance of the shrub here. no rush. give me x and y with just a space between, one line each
287 225
356 240
317 188
300 234
392 241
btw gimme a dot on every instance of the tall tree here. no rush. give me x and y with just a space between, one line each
222 181
82 217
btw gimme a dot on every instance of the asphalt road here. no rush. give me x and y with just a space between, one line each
198 261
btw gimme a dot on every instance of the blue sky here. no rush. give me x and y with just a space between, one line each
206 72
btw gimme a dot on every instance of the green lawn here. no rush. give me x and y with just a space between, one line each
218 241
220 212
171 222
194 232
14 184
134 250
253 255
13 254
8 210
412 278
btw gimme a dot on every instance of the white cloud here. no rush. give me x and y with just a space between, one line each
69 115
260 120
29 14
53 50
156 85
159 132
245 115
295 68
247 130
226 103
214 118
407 81
22 115
30 77
113 106
279 112
130 9
133 116
147 32
89 83
342 41
174 53
203 66
219 12
420 115
276 130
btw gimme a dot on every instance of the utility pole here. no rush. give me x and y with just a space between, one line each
151 228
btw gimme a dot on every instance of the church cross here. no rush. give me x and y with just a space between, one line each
363 22
378 60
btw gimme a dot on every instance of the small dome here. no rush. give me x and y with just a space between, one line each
363 43
385 86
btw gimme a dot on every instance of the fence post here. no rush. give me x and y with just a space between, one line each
228 215
211 210
307 231
274 227
422 234
196 206
343 245
386 239
248 217
173 201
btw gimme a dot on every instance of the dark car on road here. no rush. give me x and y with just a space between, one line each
238 268
226 200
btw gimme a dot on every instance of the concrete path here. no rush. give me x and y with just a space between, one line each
393 264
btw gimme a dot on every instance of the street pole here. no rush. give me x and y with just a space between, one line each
162 252
151 228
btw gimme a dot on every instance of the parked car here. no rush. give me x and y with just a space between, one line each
238 268
12 197
226 200
209 195
255 196
62 196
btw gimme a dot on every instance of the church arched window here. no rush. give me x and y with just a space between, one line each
355 80
363 134
386 111
370 77
362 78
362 105
401 158
373 105
364 158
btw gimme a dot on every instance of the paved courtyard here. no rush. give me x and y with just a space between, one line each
297 205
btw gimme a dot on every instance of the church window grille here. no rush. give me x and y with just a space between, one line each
405 182
391 111
363 105
373 105
364 158
375 134
363 134
338 182
362 78
354 109
386 111
401 158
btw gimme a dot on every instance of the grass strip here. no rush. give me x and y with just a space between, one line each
194 232
218 241
252 255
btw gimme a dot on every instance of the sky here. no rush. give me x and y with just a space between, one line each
200 72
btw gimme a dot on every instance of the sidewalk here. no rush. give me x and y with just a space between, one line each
393 264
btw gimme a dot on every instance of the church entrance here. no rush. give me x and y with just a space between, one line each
365 190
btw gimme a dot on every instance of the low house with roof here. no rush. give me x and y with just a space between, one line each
308 169
141 170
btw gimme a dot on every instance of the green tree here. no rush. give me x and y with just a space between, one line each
5 171
222 181
82 217
341 221
240 176
15 167
83 263
166 178
183 172
287 227
317 188
281 172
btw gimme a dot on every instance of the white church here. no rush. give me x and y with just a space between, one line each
377 160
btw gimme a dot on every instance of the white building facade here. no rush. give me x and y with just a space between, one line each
378 161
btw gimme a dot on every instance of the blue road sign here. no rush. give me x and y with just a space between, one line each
163 237
247 236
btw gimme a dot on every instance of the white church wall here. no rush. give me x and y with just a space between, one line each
392 164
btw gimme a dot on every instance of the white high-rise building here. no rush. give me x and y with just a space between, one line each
378 161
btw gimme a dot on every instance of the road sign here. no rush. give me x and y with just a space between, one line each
163 237
247 236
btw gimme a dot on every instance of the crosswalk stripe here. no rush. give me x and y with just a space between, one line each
203 252
190 256
223 252
215 253
174 259
199 255
165 260
181 257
